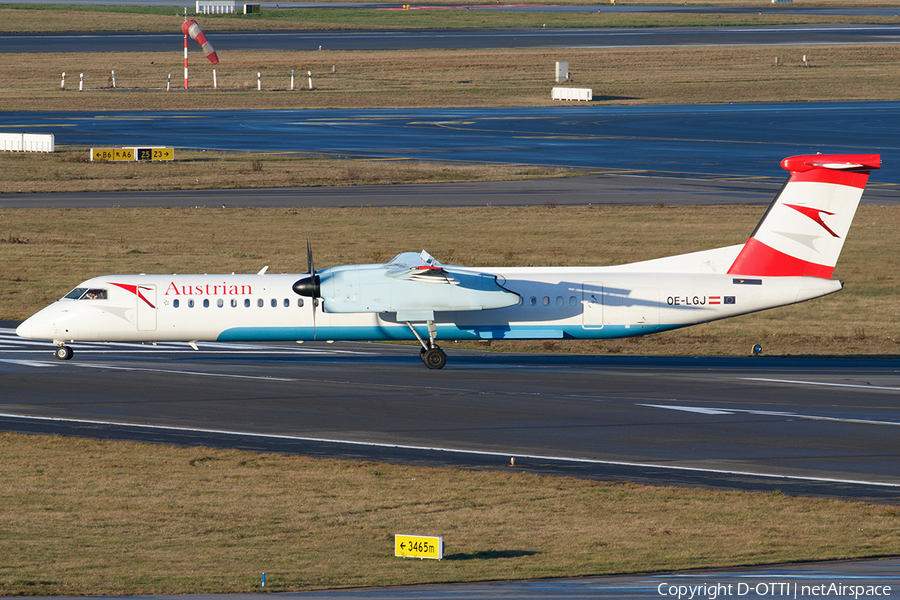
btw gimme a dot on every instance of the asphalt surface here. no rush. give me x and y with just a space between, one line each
412 39
632 190
807 581
791 9
688 141
824 427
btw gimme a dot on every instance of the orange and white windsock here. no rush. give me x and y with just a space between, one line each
190 28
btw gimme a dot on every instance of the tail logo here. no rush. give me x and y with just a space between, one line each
815 214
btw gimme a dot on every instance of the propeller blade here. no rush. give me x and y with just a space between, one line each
310 286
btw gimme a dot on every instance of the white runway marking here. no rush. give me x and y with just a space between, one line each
27 363
177 372
504 455
767 413
693 409
824 384
10 342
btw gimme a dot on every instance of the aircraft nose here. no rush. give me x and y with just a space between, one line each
25 329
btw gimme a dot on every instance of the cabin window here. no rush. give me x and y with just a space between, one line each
300 302
234 303
206 303
175 303
533 301
274 303
247 302
560 301
220 303
546 300
287 303
573 301
260 303
191 303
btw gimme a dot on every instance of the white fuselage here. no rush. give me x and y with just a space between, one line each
556 302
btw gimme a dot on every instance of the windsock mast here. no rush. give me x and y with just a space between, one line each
191 29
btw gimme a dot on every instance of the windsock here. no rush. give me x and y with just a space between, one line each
193 30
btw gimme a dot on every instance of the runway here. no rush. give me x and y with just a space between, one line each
790 9
612 188
824 427
472 39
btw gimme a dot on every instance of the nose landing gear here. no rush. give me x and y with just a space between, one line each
63 352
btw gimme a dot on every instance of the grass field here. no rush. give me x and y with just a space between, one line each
70 170
449 78
94 518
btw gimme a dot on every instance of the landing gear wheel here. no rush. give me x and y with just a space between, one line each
64 353
434 358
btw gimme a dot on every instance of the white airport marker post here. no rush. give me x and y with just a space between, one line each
310 79
81 82
258 82
215 84
62 84
114 78
169 83
292 80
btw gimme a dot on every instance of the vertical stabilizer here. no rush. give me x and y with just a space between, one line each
804 229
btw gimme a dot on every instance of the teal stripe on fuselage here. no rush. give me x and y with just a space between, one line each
444 332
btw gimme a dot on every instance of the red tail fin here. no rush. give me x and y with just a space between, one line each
803 230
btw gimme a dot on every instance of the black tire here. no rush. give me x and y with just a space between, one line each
434 358
64 353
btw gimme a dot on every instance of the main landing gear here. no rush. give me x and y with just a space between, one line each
63 352
431 354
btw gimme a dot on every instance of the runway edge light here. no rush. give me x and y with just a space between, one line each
419 546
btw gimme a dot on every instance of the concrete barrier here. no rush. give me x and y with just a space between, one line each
27 142
560 93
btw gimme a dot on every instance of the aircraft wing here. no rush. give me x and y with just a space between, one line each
414 286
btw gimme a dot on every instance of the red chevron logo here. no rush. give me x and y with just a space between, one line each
815 214
134 289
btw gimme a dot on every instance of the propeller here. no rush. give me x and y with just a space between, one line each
309 286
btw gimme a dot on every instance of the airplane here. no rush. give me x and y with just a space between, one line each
789 258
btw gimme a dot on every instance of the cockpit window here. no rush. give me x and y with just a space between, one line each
95 294
76 293
87 294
